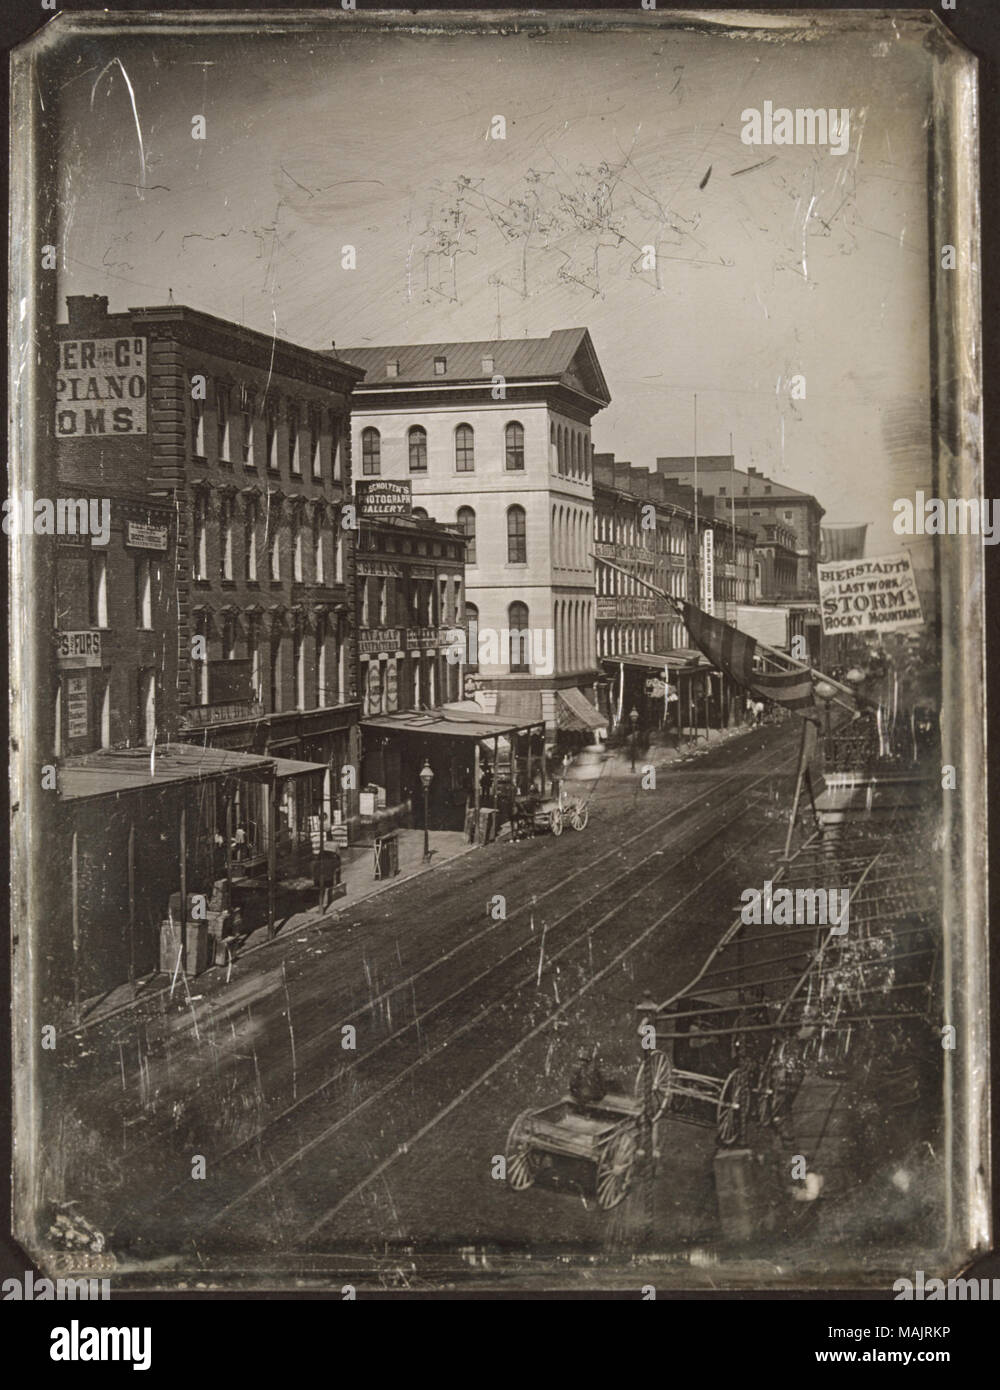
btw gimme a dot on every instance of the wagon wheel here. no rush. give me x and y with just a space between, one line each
663 1074
614 1169
766 1081
556 821
522 1160
581 814
732 1107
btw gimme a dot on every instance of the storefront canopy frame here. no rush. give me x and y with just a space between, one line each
451 725
114 771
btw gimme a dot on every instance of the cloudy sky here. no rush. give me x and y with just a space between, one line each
808 264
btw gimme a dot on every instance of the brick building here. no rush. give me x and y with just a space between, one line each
226 600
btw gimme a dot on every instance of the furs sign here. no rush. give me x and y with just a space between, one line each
101 387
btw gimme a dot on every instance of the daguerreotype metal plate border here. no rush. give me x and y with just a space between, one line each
286 426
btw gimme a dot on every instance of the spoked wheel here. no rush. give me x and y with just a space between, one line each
732 1107
765 1091
581 815
556 821
663 1074
614 1169
522 1160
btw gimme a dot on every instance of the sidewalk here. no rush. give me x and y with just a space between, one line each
357 870
665 754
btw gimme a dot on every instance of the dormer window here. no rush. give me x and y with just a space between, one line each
440 366
392 369
487 366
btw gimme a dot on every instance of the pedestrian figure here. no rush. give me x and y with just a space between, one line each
588 1084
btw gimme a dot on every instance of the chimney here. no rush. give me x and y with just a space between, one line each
87 312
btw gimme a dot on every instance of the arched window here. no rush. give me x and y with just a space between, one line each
465 455
514 447
467 521
520 637
420 512
417 438
517 543
371 452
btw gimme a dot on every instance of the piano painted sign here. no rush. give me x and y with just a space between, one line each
101 387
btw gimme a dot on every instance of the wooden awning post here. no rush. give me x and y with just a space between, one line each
229 850
475 793
272 849
542 757
531 755
183 867
75 891
131 904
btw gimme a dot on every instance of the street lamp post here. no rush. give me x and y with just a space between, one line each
426 778
633 719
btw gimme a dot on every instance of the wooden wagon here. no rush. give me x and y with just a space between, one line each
604 1133
532 815
722 1101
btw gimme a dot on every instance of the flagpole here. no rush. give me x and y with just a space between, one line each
732 489
697 538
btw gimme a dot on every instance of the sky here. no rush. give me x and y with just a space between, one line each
771 262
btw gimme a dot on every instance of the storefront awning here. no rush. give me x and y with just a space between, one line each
575 712
289 767
520 704
450 725
646 661
136 769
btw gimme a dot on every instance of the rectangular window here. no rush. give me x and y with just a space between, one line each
300 670
296 548
275 685
272 440
253 651
146 720
143 593
106 713
318 548
225 538
201 665
198 427
294 457
336 458
322 693
250 539
440 366
316 443
222 420
274 550
246 441
381 603
98 596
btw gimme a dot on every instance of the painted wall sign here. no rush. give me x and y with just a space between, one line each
101 387
76 649
384 497
145 537
76 707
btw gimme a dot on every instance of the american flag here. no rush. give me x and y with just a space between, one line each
733 651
